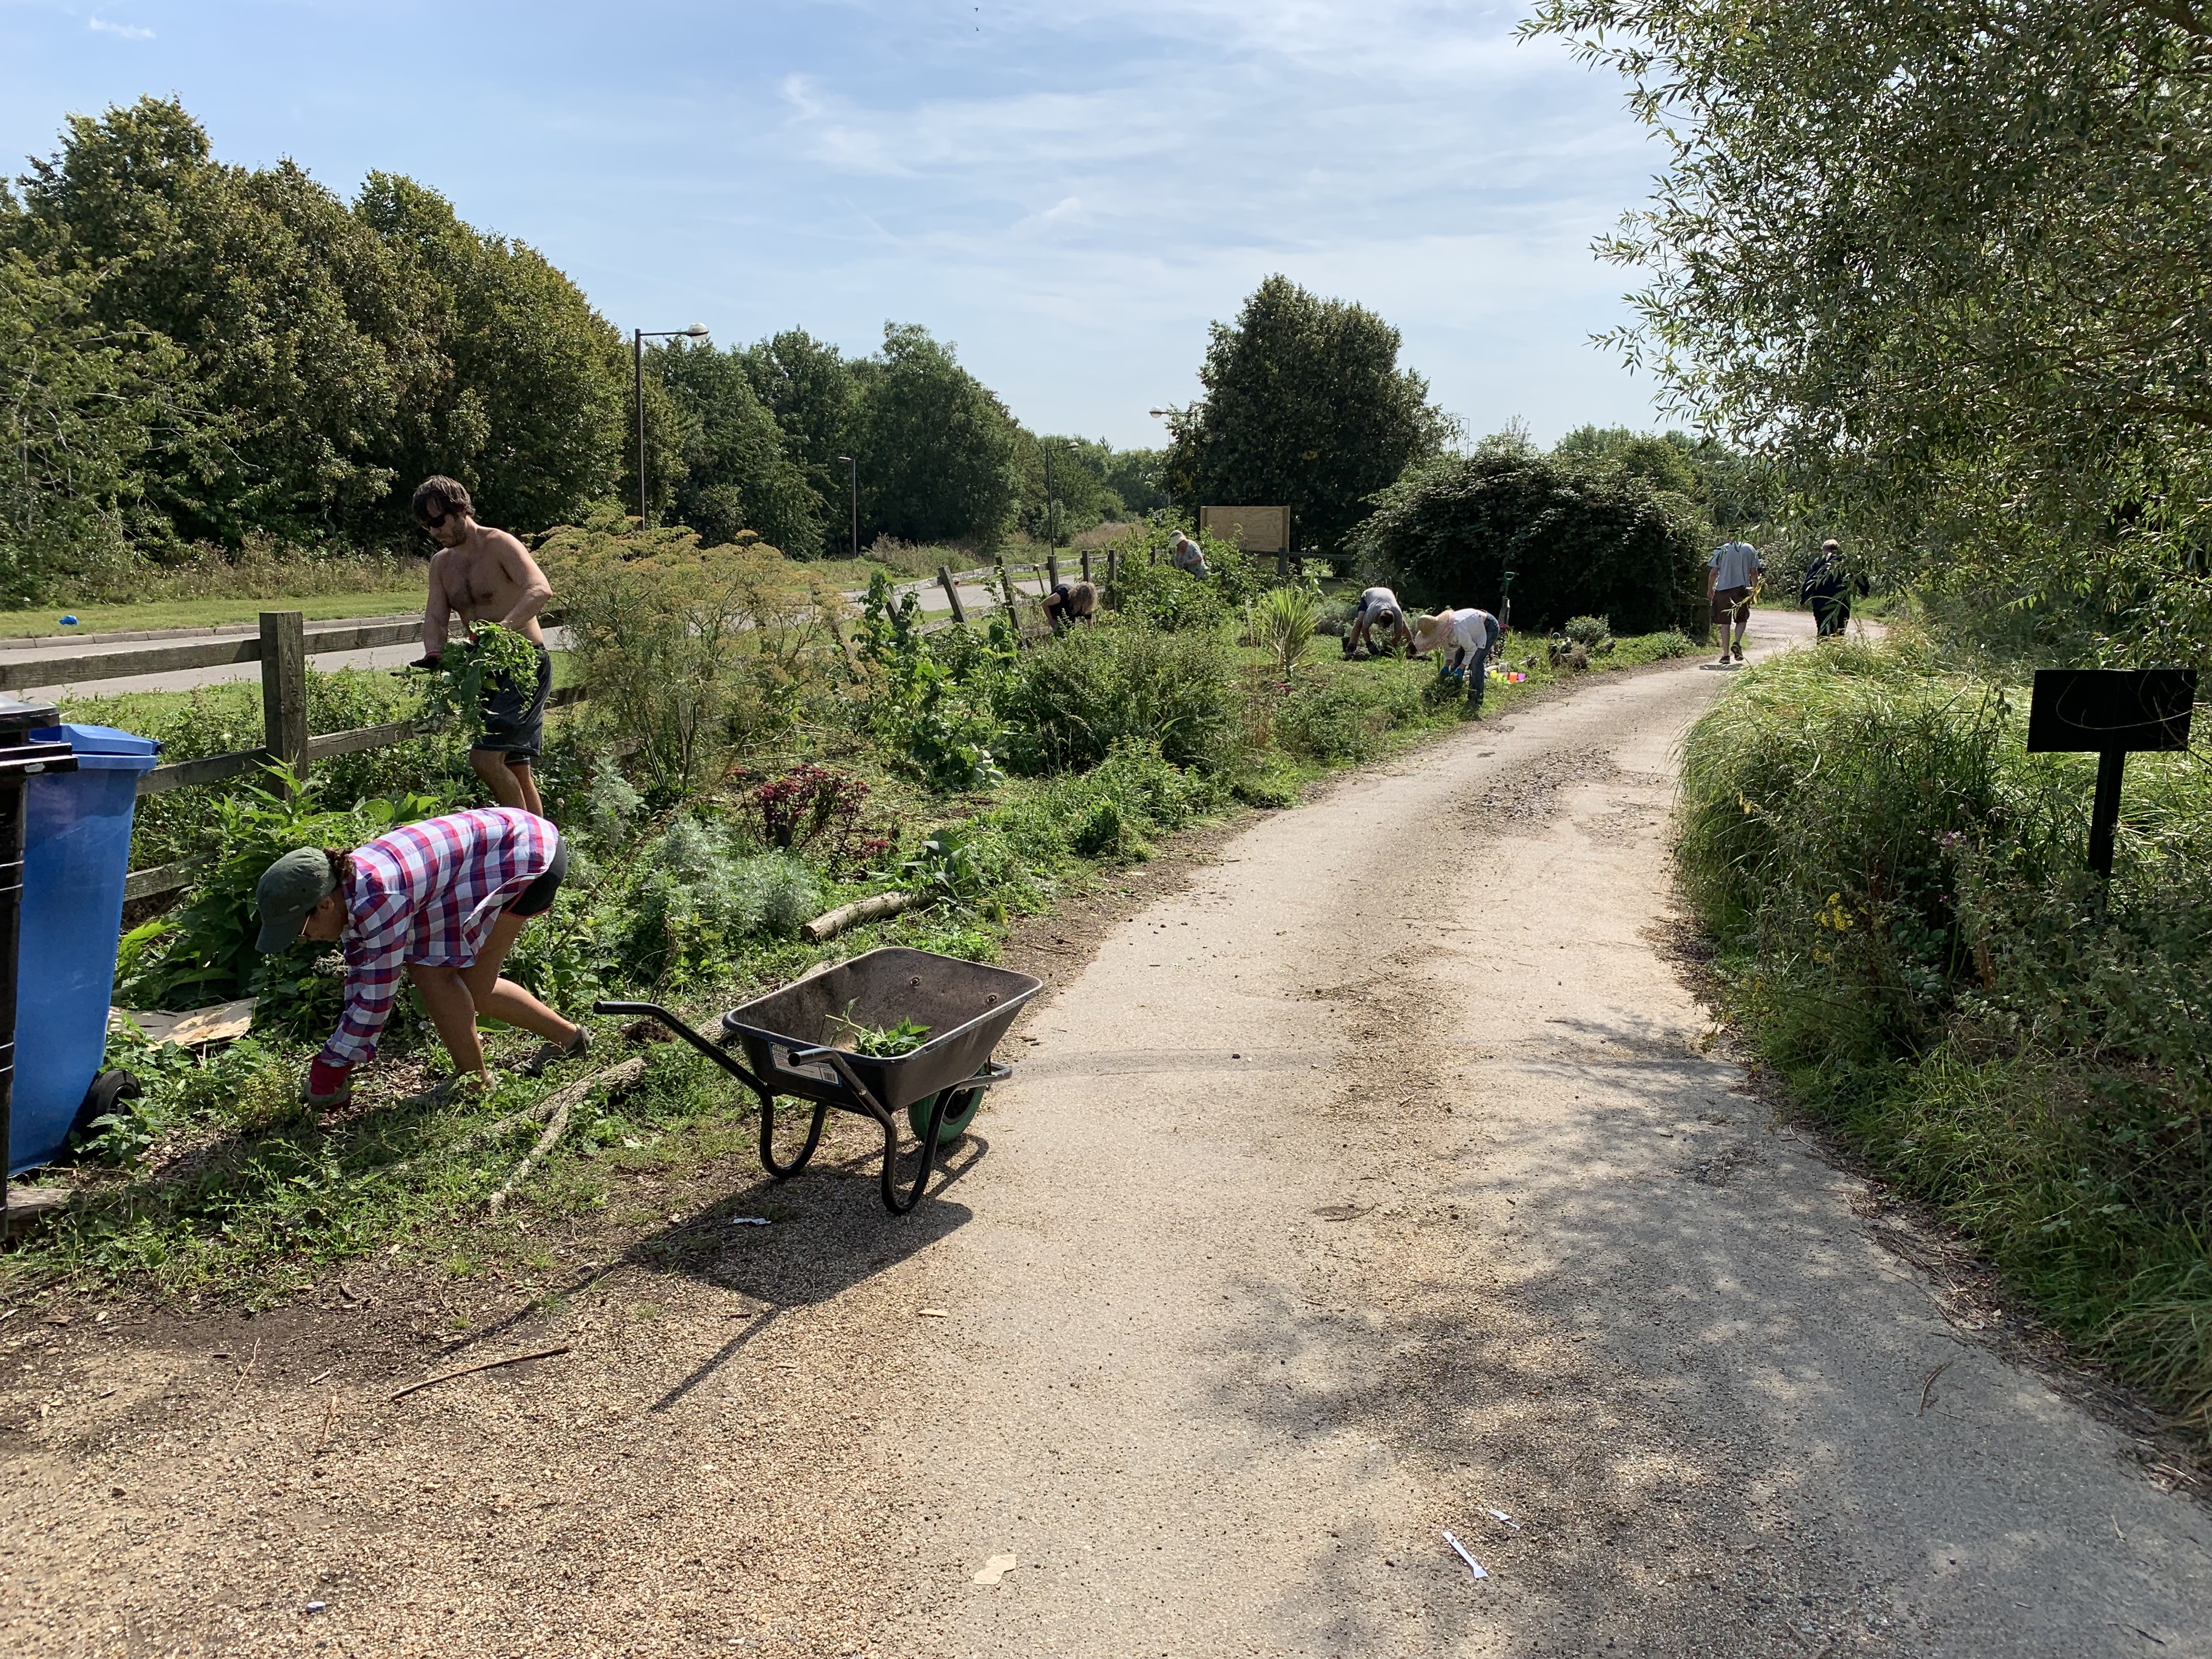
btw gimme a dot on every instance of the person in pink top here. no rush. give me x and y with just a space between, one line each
441 902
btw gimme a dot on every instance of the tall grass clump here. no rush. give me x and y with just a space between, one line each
1075 699
1907 931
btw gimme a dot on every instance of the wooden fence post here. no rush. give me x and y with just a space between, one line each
1113 566
284 688
1052 569
1007 583
1086 564
952 592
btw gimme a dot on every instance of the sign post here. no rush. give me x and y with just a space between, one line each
2109 711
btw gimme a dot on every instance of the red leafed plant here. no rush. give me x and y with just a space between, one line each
815 807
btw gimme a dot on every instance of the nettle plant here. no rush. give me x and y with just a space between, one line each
934 695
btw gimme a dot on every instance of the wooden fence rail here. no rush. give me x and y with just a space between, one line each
283 647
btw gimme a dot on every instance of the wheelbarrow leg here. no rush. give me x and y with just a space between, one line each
893 1201
784 1171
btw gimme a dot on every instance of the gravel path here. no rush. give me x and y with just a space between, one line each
1387 1177
1379 1174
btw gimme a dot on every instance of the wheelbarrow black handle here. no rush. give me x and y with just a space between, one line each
712 1051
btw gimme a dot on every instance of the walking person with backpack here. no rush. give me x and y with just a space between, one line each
1826 591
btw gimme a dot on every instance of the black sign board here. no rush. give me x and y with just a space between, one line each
2108 712
2094 710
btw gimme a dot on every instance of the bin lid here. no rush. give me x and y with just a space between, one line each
104 748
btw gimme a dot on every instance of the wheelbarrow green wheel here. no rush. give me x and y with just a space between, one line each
959 1113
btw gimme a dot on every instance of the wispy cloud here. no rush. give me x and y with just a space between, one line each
1071 188
127 31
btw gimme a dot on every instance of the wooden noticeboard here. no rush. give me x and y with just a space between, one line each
1254 529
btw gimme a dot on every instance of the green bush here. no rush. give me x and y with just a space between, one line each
1909 932
688 653
1592 631
1110 812
1582 537
1347 718
1072 700
692 898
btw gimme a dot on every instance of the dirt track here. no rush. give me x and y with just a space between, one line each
1382 1175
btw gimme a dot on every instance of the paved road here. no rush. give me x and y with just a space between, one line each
977 598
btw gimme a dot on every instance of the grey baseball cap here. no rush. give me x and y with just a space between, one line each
287 889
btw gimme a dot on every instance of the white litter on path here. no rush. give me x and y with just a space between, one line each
1473 1564
1000 1566
1503 1519
749 1221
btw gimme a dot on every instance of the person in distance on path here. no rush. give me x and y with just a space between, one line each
484 574
1378 612
1826 591
442 902
1473 634
1070 603
1731 577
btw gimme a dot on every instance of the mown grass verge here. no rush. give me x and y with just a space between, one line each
1907 933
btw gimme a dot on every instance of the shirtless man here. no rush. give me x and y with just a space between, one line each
486 575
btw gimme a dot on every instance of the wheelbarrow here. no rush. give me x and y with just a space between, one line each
788 1038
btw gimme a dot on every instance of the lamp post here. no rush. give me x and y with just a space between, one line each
852 467
638 337
1051 518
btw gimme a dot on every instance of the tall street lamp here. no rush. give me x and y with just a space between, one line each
1051 518
853 467
638 337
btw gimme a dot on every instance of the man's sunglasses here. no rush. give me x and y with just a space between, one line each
434 520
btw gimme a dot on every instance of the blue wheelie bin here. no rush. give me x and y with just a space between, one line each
76 851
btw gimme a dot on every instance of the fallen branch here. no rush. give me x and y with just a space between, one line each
482 1366
483 1137
831 923
556 1107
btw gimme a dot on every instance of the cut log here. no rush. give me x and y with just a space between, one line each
831 923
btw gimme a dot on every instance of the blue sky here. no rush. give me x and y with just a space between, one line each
1069 192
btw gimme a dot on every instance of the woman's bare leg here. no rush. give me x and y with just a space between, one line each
453 1010
502 999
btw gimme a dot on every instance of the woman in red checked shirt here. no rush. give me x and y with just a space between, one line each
440 901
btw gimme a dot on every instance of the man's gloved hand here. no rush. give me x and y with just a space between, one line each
430 661
327 1084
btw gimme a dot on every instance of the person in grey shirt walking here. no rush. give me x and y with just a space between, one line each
1730 576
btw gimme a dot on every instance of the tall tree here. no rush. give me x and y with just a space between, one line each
737 476
82 407
1949 261
1306 406
809 387
258 277
518 387
936 448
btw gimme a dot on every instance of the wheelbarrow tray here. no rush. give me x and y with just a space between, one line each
966 1005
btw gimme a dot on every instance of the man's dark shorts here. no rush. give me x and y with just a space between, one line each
1730 603
537 898
515 714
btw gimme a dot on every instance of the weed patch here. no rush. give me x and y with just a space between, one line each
1908 933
